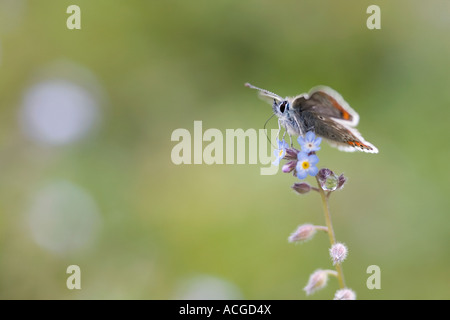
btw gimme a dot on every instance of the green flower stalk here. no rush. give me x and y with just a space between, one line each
302 163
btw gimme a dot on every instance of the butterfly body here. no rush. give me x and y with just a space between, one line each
322 111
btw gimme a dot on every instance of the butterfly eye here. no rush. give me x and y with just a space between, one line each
283 106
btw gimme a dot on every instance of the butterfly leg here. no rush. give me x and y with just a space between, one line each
290 137
285 131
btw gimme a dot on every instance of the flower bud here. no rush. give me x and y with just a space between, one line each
338 253
288 167
345 294
304 232
291 154
341 181
323 174
302 187
318 280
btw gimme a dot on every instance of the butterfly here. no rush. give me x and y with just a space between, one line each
322 111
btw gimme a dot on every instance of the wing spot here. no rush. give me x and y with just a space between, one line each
360 145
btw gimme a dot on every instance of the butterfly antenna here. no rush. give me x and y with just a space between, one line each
263 91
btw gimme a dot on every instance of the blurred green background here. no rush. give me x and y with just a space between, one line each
85 139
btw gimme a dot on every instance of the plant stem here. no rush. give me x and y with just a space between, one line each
331 235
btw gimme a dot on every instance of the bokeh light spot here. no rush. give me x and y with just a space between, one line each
63 218
205 287
57 112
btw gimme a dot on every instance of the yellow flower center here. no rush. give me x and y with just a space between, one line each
281 153
305 165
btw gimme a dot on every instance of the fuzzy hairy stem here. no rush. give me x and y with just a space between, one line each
331 235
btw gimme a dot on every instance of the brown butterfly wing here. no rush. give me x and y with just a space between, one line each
338 133
328 103
329 123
